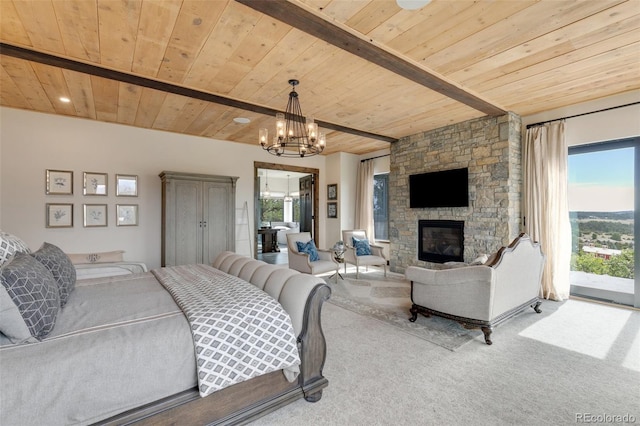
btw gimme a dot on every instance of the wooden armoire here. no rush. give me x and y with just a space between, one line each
198 217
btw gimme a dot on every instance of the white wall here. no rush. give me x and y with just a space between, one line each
33 142
608 125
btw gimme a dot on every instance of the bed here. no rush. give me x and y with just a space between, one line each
122 351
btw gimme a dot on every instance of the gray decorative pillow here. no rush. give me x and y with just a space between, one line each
60 266
28 286
9 245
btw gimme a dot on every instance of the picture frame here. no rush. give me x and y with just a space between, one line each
126 215
126 185
332 210
59 182
95 183
59 215
95 215
332 191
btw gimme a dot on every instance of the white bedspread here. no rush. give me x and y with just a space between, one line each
239 331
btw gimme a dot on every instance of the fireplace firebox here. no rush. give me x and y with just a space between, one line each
441 241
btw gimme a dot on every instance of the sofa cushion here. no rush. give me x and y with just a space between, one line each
309 248
362 246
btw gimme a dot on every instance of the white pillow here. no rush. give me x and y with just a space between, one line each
9 245
480 260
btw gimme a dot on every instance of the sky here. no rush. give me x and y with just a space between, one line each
601 181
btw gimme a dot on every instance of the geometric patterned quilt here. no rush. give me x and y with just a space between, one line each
239 331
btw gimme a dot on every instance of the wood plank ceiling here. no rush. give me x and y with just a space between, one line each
369 71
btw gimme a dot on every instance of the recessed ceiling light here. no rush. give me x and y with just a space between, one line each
64 99
241 120
412 4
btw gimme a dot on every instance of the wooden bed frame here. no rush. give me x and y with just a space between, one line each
246 401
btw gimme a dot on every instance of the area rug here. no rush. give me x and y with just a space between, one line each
389 300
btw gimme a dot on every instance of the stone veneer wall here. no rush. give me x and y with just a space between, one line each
491 148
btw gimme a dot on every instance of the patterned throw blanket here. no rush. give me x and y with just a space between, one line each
239 331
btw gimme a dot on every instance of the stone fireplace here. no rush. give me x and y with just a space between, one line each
490 147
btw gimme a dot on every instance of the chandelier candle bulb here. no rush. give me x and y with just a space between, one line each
264 137
295 135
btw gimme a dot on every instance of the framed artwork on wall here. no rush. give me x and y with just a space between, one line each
59 215
59 182
95 183
126 215
95 215
126 185
332 191
332 210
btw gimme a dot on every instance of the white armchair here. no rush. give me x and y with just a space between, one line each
301 261
376 258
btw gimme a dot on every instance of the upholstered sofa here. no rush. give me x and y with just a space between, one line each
481 296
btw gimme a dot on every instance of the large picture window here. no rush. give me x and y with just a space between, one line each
601 195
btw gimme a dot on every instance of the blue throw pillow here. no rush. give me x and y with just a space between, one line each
308 248
362 246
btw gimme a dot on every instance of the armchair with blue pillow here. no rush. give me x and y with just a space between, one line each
305 257
360 251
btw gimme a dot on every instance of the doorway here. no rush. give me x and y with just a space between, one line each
285 200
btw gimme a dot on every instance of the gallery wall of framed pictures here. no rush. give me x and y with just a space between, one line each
94 214
332 203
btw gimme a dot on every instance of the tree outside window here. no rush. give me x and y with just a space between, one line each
272 210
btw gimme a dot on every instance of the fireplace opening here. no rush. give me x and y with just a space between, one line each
441 241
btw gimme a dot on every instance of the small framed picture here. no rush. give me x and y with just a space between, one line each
59 215
332 191
59 182
95 215
332 210
95 183
126 214
126 186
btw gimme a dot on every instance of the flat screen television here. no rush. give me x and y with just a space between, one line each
446 188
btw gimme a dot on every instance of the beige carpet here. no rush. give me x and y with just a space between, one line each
576 359
388 300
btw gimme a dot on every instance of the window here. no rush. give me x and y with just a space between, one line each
601 198
272 210
381 206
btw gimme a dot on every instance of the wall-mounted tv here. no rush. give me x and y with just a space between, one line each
446 188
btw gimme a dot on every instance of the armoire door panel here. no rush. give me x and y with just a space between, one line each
216 214
188 234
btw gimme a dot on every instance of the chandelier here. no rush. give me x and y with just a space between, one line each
295 136
266 193
288 198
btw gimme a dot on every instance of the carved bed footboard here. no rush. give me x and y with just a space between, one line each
246 401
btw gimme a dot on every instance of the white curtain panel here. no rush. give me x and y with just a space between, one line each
545 204
364 198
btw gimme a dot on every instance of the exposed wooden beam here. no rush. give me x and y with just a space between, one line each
294 15
56 61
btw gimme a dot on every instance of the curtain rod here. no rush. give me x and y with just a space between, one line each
373 158
579 115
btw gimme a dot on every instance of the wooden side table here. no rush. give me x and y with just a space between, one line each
269 240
